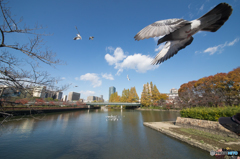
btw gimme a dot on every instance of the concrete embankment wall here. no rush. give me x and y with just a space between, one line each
17 112
205 125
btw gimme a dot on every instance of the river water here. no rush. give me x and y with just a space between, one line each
87 134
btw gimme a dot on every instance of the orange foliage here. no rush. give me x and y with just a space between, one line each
212 90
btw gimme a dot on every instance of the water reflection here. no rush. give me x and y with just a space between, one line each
87 134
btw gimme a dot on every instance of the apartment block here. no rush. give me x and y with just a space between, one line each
73 96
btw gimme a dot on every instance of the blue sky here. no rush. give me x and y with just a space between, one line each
106 61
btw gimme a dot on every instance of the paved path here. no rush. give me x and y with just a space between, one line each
163 127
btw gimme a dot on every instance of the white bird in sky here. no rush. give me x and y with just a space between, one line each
128 78
91 38
178 32
78 35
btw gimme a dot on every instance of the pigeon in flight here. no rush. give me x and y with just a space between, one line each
178 32
78 35
128 78
91 38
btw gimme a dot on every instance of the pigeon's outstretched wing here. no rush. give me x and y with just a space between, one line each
78 35
77 29
128 78
160 28
171 48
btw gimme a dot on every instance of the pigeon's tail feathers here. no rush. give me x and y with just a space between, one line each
223 10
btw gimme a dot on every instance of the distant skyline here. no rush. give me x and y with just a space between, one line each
95 65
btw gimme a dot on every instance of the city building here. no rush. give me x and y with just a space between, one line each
73 96
50 94
111 90
6 91
93 98
59 95
39 91
172 95
65 98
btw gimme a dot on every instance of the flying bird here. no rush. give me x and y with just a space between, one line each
91 38
128 78
75 86
178 32
78 35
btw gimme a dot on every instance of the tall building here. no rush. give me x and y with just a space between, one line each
59 95
73 96
65 98
111 90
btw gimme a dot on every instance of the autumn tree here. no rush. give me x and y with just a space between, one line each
125 95
114 97
12 73
145 97
212 90
155 94
133 96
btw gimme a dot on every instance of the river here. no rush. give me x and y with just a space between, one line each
88 134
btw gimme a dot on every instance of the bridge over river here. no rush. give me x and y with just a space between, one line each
115 104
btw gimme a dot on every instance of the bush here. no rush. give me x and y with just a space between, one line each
209 113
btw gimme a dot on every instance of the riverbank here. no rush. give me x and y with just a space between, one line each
157 109
204 140
36 110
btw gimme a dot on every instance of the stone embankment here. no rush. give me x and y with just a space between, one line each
207 135
158 109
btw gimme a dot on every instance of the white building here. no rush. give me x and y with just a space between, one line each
65 98
39 91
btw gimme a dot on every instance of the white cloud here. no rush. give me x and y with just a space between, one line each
233 42
107 76
140 63
92 77
118 56
76 78
87 93
220 48
110 49
63 78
